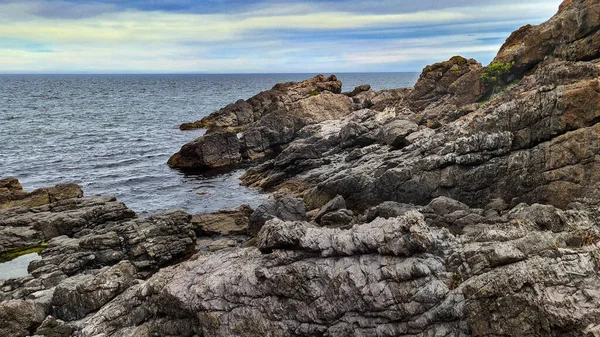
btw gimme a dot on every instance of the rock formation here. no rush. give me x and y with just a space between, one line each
461 207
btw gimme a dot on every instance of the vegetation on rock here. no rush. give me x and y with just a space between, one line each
495 73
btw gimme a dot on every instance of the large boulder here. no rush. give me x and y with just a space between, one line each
213 150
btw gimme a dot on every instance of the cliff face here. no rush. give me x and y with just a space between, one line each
465 206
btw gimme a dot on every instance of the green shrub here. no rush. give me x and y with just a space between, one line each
314 93
494 73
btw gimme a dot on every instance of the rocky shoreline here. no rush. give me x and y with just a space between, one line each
465 206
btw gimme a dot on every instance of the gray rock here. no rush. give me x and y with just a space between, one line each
339 218
388 209
52 327
79 295
286 208
213 150
18 317
444 205
394 134
332 205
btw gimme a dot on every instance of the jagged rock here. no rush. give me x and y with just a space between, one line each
148 243
18 317
339 218
213 150
572 34
245 112
394 134
225 222
268 121
359 89
332 205
79 295
286 208
455 76
388 209
52 327
13 195
355 134
22 227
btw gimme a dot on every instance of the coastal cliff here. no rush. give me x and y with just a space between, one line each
467 205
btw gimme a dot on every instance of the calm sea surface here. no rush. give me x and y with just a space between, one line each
113 134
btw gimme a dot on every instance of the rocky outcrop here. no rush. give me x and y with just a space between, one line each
13 195
457 79
396 277
225 222
267 122
410 212
571 35
242 113
213 150
86 234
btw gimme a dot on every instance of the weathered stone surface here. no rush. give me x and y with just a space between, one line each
246 112
79 295
213 150
226 222
483 223
455 76
18 317
13 195
388 209
52 327
268 121
357 90
572 34
339 218
285 208
332 205
394 133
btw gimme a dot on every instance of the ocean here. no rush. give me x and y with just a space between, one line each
113 134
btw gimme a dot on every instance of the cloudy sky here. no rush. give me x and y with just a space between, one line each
235 36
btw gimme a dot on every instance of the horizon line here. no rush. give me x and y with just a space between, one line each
224 73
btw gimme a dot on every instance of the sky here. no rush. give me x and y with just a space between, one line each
234 36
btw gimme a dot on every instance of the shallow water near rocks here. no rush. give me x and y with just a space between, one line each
113 134
18 266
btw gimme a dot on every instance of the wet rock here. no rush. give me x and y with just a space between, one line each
213 150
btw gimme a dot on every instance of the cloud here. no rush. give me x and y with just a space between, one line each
104 37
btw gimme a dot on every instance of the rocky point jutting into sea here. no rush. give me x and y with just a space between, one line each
465 206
